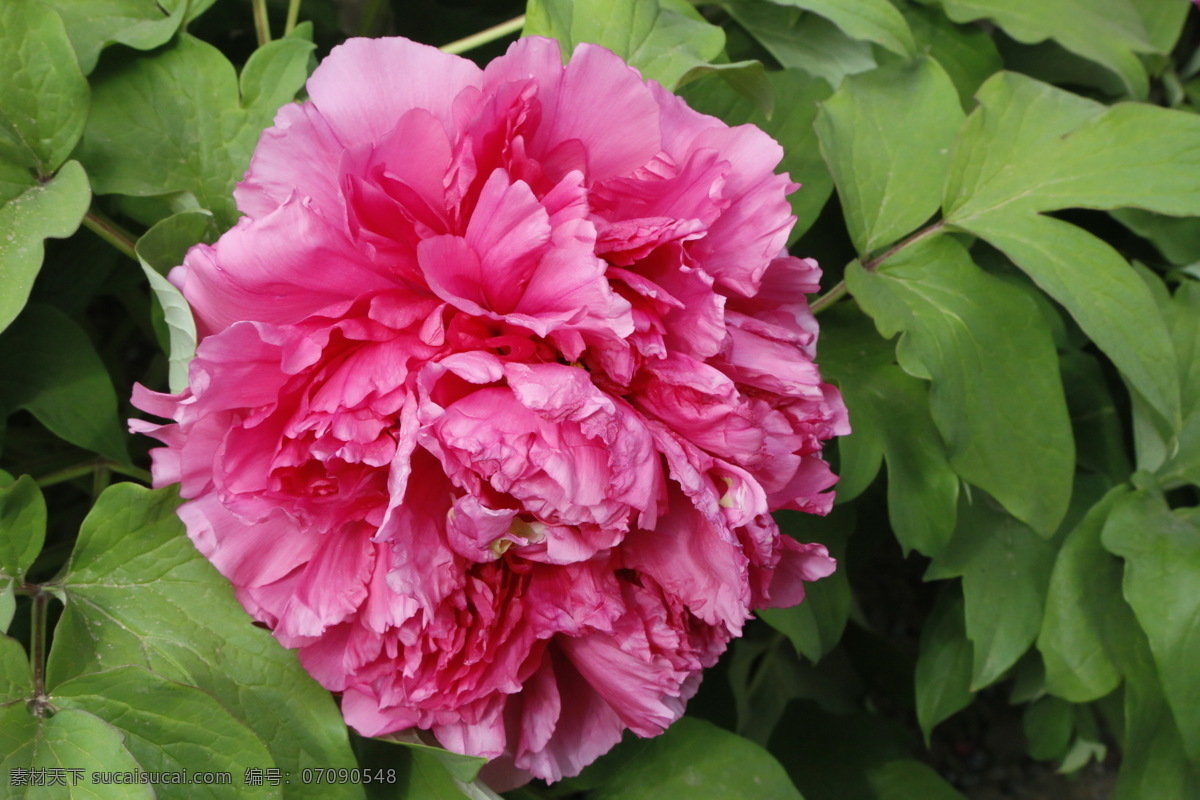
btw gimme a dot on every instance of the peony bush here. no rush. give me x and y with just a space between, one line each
439 400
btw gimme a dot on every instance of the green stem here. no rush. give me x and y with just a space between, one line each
262 28
110 232
871 264
292 15
484 37
829 298
101 475
366 23
91 468
37 653
764 664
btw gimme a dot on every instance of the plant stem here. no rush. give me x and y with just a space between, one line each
366 22
110 232
829 298
91 468
262 28
292 15
871 264
37 652
484 37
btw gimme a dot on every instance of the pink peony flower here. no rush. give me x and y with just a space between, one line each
500 376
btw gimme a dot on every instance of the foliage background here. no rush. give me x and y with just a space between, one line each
1004 195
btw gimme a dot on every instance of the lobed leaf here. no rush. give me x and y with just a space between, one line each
907 778
31 212
1005 569
966 52
44 96
22 532
1085 615
1109 32
871 20
889 177
1032 148
170 727
663 39
159 250
996 397
1157 766
1182 454
694 753
803 41
16 675
49 368
1161 549
815 626
943 673
70 740
137 593
891 417
141 24
176 120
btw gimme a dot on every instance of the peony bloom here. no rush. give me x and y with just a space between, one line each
500 376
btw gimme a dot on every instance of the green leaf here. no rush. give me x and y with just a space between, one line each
747 79
49 368
138 593
1176 238
32 212
966 52
160 249
73 741
1182 461
1163 22
886 136
803 41
763 676
907 779
22 526
663 39
891 414
815 626
8 604
173 120
1048 724
943 674
1109 32
1161 550
996 397
791 125
423 775
1003 161
141 24
272 76
1153 763
872 20
1006 168
1085 613
1005 568
462 768
44 96
16 676
1095 284
693 753
1100 436
22 532
170 727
